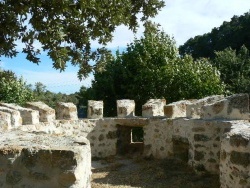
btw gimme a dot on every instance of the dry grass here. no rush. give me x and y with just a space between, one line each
132 173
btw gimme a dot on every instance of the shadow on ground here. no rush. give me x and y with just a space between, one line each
168 173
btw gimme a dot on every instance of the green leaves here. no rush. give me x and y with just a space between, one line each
232 34
13 89
151 67
66 28
235 69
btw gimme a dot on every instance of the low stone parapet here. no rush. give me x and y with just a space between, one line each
194 109
40 160
29 116
47 114
176 109
5 121
153 107
235 158
16 119
125 108
95 109
67 111
235 107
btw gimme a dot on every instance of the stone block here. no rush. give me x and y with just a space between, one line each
194 109
235 107
40 160
125 108
29 116
16 119
47 114
153 107
235 157
5 121
176 109
95 109
66 111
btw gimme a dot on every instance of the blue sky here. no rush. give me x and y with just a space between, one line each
181 19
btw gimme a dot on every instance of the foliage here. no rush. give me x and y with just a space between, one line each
232 34
13 89
151 67
235 69
65 29
42 94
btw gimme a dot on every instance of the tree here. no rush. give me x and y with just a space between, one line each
39 88
13 89
65 29
234 68
151 67
232 34
42 94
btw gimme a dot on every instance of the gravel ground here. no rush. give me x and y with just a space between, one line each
130 173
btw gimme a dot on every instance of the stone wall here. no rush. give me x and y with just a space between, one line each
42 160
235 157
210 134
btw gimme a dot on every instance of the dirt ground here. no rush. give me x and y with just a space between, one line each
130 173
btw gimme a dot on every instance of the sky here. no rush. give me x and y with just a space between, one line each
181 19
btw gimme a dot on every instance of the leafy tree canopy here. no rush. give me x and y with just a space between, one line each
66 28
42 94
13 89
151 67
232 34
234 68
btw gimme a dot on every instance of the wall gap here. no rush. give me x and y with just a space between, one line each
130 141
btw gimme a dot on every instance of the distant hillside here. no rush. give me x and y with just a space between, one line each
232 34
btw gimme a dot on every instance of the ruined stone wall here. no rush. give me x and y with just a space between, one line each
210 134
235 157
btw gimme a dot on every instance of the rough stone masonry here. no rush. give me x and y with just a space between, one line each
210 134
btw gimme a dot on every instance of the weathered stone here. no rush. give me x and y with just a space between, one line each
16 119
132 122
40 160
29 116
235 156
66 111
194 109
101 138
5 121
240 158
232 107
176 109
238 101
95 109
198 129
211 160
238 140
46 113
125 108
201 137
198 155
13 177
112 135
153 107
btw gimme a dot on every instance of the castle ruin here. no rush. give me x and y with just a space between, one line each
45 147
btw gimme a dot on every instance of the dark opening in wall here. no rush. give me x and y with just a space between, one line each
137 134
180 148
130 140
